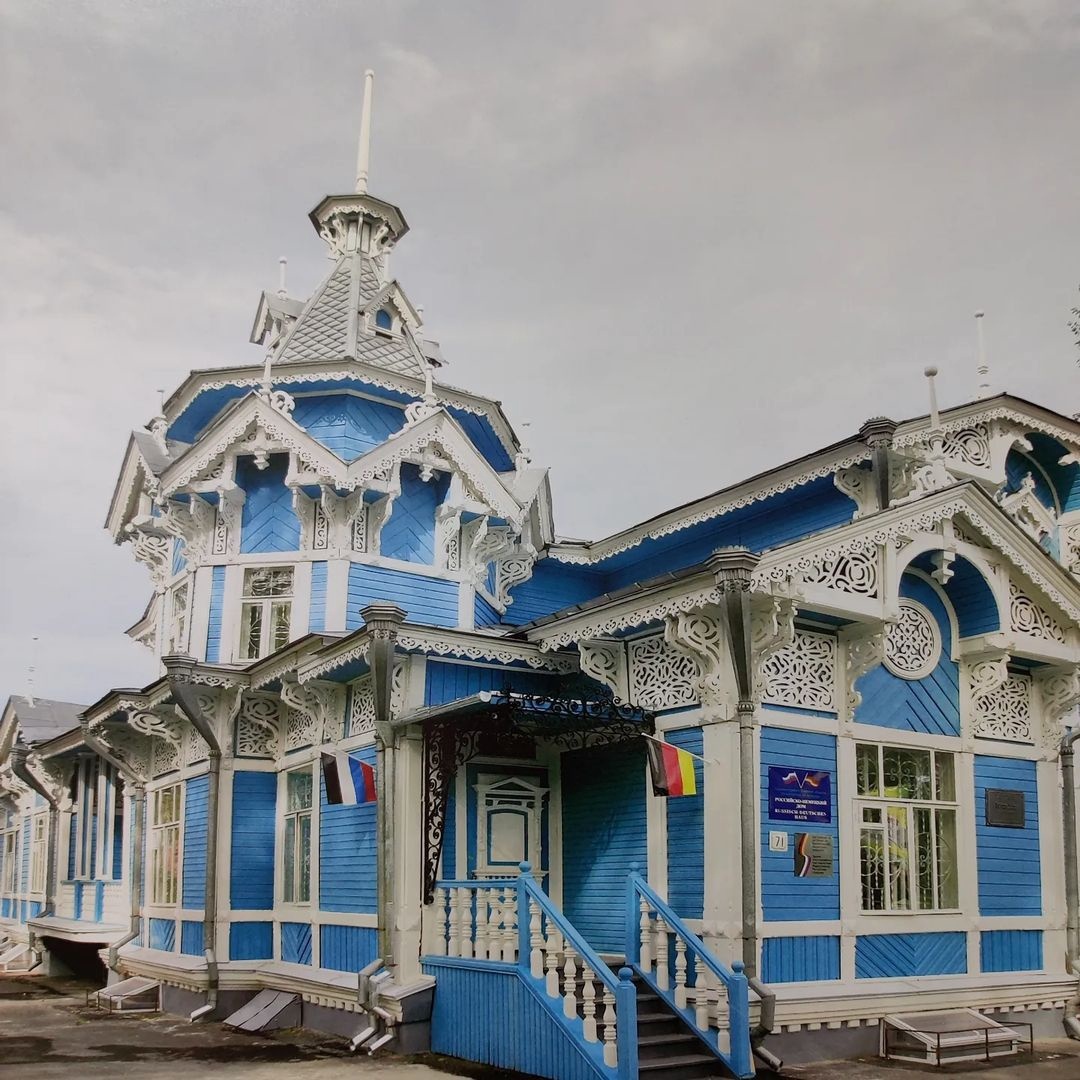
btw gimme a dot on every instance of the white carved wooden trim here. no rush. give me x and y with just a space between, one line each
661 676
700 637
912 642
803 674
864 649
855 572
1026 617
606 662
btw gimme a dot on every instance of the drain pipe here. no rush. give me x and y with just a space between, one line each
1071 1020
138 803
21 769
185 693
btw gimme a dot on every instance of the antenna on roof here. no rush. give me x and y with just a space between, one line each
363 152
282 264
984 368
30 672
935 420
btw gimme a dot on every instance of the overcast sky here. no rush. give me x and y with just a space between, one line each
683 241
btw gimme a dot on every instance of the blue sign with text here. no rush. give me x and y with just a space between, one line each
799 794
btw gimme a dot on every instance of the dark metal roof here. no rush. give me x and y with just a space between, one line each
42 720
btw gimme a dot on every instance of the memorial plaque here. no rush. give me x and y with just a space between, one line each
799 794
813 855
1005 808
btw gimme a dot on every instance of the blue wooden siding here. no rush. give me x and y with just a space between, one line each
217 606
604 831
163 934
449 850
1010 880
553 586
972 600
253 821
251 941
73 835
427 600
347 948
1018 466
194 866
317 610
1011 950
296 942
409 532
930 705
686 836
191 938
448 682
785 897
484 614
1064 478
349 426
800 959
888 956
490 1014
483 437
347 851
268 521
179 560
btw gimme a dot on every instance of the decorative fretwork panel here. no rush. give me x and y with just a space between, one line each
913 642
301 730
661 677
257 727
362 700
803 674
1026 617
166 757
195 747
1005 713
852 572
971 446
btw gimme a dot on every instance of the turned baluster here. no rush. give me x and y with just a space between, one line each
509 933
466 923
680 972
569 982
554 948
454 944
646 933
702 992
611 1053
438 918
663 979
481 950
536 941
588 998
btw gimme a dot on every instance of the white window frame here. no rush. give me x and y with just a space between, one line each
266 605
39 852
10 885
165 847
900 877
176 629
291 890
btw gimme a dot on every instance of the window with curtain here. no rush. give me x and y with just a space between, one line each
266 610
165 845
296 837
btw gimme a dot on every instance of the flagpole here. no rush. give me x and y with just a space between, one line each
697 757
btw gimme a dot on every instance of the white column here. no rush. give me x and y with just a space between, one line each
337 594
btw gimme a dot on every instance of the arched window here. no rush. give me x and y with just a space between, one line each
384 320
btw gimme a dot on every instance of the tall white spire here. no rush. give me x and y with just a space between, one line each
983 368
363 152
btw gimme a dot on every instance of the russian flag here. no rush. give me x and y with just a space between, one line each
348 781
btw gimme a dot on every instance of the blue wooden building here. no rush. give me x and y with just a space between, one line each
870 652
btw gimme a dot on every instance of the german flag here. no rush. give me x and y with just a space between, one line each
671 769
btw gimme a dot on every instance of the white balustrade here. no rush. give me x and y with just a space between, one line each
611 1054
663 978
570 1000
551 960
680 972
588 1003
536 941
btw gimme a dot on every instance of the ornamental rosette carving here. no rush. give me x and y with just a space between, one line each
913 644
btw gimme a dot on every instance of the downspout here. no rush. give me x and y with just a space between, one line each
138 841
382 621
178 670
1071 1019
733 568
20 768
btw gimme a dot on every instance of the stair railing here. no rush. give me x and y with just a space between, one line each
674 961
512 920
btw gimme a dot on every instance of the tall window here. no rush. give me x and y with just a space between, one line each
11 861
176 634
296 853
39 853
165 846
266 610
907 828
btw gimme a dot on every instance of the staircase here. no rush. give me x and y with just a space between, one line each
667 1049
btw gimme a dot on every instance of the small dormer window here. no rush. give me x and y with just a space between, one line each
384 321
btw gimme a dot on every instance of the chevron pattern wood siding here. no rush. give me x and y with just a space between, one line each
931 705
484 614
347 948
348 425
488 1014
1011 950
251 882
347 851
217 606
686 836
783 896
604 831
428 600
409 534
800 959
317 610
191 938
194 866
887 956
267 520
447 682
163 934
251 941
1010 873
296 942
